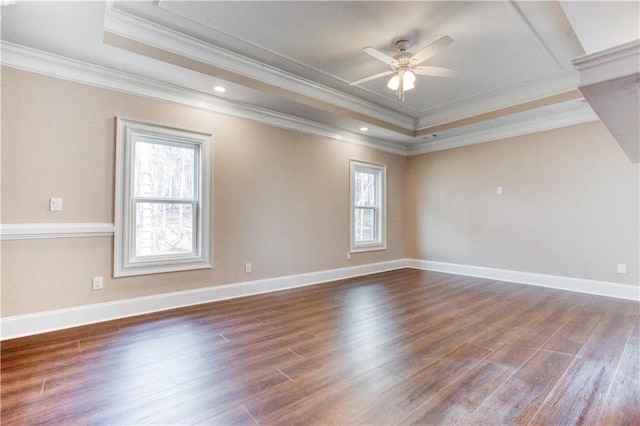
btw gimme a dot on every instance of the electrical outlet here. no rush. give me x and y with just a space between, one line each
247 268
499 190
622 268
96 283
348 255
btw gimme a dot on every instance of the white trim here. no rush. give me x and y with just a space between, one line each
31 60
27 59
28 231
609 64
581 114
600 288
380 171
143 31
125 262
504 97
41 322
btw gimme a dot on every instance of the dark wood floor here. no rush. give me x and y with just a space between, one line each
400 347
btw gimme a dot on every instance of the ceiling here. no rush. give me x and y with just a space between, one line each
289 63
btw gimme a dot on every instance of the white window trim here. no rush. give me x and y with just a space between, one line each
381 172
124 262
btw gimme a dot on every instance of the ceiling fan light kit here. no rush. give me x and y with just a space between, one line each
404 65
401 82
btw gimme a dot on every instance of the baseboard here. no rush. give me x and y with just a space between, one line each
600 288
42 322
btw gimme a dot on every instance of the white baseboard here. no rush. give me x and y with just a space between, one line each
600 288
42 322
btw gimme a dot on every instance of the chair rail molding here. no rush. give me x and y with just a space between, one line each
30 231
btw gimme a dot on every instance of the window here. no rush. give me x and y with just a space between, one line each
163 199
368 206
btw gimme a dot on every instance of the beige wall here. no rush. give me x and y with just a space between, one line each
569 205
280 197
569 208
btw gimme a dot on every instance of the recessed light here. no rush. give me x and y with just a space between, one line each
219 89
364 129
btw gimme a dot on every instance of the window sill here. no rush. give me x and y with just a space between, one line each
365 248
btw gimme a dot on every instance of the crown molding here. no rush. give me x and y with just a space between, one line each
32 60
142 31
547 101
610 81
507 96
581 113
609 64
20 57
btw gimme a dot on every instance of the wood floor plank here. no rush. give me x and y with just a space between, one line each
572 336
456 400
580 394
518 399
622 406
428 381
236 415
397 347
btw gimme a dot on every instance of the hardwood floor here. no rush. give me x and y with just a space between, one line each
401 347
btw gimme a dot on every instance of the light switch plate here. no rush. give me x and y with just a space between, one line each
55 204
96 283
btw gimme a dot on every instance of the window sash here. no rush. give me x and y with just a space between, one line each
133 232
135 200
366 196
170 142
359 239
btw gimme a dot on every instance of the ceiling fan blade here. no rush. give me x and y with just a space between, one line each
434 71
371 77
380 55
431 50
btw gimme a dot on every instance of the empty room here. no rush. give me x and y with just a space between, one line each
320 212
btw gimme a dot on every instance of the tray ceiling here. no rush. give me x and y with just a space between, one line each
296 59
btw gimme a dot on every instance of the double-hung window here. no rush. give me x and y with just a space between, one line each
368 206
163 199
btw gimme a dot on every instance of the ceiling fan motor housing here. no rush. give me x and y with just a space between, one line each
403 57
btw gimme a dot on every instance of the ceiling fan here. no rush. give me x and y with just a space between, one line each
405 65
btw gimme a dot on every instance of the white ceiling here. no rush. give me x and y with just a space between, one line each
295 59
622 16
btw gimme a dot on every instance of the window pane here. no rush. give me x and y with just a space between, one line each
365 189
164 228
365 225
164 171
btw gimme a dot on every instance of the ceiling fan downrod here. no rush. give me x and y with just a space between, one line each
400 90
